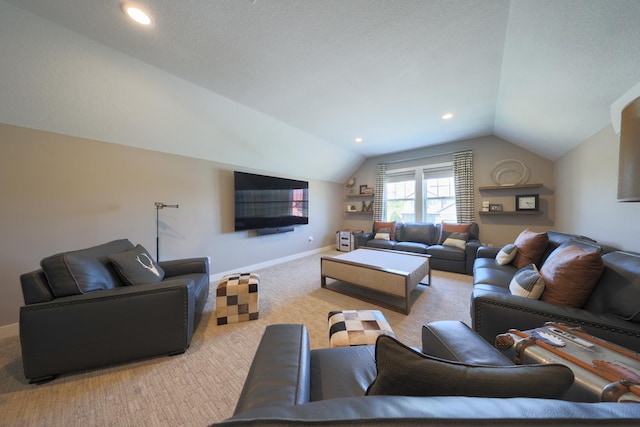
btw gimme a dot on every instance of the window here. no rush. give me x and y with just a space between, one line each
424 194
401 197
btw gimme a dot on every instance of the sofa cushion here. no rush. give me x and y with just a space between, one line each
414 247
506 254
84 270
527 282
447 228
531 246
420 232
457 240
404 371
618 291
390 226
136 267
382 244
570 274
446 252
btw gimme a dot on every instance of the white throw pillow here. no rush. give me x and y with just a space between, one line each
381 236
506 254
457 240
527 282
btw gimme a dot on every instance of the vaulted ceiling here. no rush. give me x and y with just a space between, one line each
541 74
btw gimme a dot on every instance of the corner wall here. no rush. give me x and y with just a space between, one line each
587 189
62 193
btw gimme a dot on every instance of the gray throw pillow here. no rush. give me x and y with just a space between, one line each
506 254
527 283
403 371
136 267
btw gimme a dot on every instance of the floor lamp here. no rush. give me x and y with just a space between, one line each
160 205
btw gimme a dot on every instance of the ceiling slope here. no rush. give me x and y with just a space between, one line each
539 73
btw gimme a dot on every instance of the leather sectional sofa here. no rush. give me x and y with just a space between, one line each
425 238
289 384
611 312
108 304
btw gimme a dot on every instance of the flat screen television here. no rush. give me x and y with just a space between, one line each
269 202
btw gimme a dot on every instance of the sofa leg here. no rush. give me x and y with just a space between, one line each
42 380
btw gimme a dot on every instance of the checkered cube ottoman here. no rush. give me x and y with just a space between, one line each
357 327
237 298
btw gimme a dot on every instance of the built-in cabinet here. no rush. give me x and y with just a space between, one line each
514 190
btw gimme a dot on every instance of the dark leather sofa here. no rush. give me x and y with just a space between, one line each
423 238
289 384
80 314
612 311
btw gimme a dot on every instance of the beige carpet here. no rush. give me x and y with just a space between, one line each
202 385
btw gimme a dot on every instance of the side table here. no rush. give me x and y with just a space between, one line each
603 371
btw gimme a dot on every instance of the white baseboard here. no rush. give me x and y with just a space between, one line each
214 277
9 331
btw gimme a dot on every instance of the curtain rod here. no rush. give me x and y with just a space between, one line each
421 157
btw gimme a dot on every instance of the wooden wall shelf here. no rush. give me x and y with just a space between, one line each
509 187
511 213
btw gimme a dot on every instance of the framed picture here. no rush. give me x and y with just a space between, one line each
495 207
363 189
527 202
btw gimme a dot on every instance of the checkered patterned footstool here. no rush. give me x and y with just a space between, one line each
237 298
357 327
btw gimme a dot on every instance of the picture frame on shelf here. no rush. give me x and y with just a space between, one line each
495 207
365 190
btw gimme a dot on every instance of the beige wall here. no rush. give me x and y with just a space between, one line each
587 191
62 193
487 151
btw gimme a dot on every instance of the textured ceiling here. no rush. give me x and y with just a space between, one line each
539 73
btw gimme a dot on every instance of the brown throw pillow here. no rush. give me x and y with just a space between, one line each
570 276
378 225
531 247
453 227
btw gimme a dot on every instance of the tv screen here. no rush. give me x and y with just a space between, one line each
269 202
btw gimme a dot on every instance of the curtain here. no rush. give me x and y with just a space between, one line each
378 195
463 177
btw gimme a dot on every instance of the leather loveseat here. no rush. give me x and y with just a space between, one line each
611 312
427 238
289 384
107 304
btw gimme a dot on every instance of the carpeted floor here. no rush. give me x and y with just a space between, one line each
202 385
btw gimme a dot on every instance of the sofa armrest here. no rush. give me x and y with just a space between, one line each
362 239
179 267
487 252
105 327
471 251
280 374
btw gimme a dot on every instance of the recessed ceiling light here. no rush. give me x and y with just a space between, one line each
358 139
447 116
136 13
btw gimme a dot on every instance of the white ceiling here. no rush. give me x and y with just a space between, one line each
539 73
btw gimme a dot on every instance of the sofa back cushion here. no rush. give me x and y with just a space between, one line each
618 291
418 232
570 274
531 246
82 271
